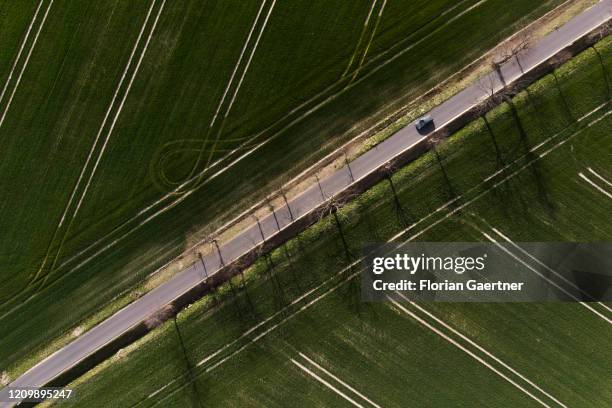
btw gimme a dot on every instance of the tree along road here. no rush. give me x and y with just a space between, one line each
111 328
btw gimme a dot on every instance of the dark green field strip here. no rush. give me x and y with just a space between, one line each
210 201
423 18
281 41
207 202
14 23
52 121
551 344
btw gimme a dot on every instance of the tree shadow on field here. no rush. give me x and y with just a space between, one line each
364 211
404 216
190 368
532 158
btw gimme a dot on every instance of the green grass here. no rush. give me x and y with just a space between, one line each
110 247
380 351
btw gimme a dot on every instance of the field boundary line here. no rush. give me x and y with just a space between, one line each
18 56
329 374
598 188
466 350
480 348
326 383
25 63
599 176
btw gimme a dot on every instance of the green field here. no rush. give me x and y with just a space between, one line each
297 312
86 213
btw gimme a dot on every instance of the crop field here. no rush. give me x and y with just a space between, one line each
292 331
126 127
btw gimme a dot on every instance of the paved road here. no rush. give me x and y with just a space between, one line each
137 311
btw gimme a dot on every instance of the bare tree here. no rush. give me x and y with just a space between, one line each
320 187
512 49
261 233
331 207
492 93
212 240
273 211
203 266
283 194
348 165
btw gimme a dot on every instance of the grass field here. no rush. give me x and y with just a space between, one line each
117 105
293 331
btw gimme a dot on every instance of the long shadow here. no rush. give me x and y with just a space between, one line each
373 233
604 71
500 163
566 106
191 376
402 214
451 192
291 267
506 190
275 285
534 167
537 112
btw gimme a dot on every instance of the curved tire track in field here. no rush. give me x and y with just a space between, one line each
129 224
204 142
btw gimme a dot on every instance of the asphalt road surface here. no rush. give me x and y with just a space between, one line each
140 309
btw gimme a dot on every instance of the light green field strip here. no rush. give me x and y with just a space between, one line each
554 329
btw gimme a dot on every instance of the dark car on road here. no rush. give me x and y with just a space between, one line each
423 123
